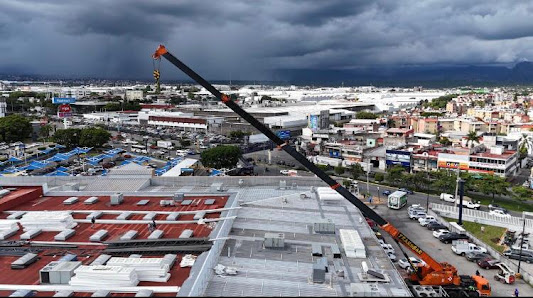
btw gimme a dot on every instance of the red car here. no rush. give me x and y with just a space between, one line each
488 263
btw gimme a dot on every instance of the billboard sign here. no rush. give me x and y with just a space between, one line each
334 153
64 111
396 157
284 134
313 122
452 165
63 100
453 161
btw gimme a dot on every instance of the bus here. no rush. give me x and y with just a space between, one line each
138 149
397 200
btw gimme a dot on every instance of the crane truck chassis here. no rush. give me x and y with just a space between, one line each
434 273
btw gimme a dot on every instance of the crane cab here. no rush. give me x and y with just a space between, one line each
482 285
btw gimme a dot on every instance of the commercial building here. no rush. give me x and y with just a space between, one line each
3 107
228 236
180 120
497 161
134 94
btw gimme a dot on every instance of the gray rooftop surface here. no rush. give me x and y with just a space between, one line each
288 271
238 241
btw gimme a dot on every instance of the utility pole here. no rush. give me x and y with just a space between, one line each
367 173
456 187
461 183
427 195
524 213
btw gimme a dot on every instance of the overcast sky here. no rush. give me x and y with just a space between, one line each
245 39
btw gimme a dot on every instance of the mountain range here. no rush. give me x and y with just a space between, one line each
436 76
427 76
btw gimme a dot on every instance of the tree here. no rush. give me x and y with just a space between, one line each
445 141
444 182
390 123
365 115
492 184
420 180
185 142
44 132
429 114
356 170
324 168
440 102
346 183
14 128
522 193
69 138
378 177
265 97
472 138
238 134
339 170
221 157
190 95
395 174
525 145
94 137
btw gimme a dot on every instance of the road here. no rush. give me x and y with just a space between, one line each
416 198
442 252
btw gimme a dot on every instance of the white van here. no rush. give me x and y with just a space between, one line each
447 197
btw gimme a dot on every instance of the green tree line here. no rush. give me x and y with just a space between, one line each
94 137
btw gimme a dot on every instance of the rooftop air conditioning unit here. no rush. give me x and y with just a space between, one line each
116 199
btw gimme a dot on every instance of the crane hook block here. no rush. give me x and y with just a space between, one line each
225 98
161 50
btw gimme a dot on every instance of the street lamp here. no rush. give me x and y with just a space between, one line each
379 199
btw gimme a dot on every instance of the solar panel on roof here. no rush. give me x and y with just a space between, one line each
143 202
209 202
186 202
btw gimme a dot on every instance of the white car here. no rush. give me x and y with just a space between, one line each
440 232
392 257
284 172
499 213
416 207
388 248
424 221
447 197
469 204
404 264
416 214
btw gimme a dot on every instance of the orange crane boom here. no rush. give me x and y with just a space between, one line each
434 273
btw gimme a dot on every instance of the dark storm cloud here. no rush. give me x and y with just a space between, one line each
243 39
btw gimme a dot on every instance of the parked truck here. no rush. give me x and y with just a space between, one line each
461 247
165 144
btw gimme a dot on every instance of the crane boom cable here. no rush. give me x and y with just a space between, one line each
368 212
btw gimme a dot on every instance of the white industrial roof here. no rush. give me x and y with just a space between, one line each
328 194
176 170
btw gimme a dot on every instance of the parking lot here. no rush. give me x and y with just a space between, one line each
442 252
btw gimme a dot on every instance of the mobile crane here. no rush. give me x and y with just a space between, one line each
433 273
